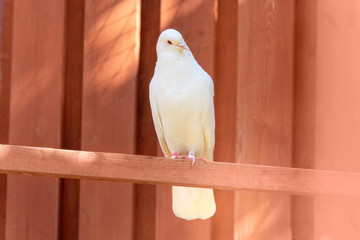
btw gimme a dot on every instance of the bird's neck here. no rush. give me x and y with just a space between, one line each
173 67
167 58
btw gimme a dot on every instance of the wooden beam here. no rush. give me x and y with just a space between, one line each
264 111
304 111
6 23
157 170
225 95
37 70
111 32
144 218
71 121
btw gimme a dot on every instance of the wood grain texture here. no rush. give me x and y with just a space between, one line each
109 112
286 82
69 209
35 110
6 40
225 108
127 167
73 81
304 107
145 211
3 191
195 20
6 13
264 116
71 121
146 140
337 115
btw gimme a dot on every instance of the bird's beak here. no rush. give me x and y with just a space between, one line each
183 46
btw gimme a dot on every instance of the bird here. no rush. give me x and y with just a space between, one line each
181 97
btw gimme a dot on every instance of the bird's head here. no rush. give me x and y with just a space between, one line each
171 41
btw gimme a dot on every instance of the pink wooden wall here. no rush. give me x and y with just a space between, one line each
75 73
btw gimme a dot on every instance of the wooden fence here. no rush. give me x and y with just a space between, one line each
75 75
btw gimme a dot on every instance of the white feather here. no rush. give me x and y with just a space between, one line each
181 98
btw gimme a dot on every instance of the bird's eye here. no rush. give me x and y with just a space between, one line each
169 42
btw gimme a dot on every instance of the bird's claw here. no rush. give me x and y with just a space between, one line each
192 157
174 155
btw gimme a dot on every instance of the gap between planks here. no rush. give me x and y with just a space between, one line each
158 170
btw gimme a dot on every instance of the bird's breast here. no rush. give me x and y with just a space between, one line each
181 115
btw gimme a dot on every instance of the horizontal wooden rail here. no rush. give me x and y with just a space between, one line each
158 170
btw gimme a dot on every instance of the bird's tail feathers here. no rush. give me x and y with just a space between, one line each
192 203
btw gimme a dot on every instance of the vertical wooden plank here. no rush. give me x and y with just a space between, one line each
196 22
145 212
71 122
69 209
73 74
304 111
109 110
264 116
6 37
337 114
225 95
35 113
6 11
146 140
3 190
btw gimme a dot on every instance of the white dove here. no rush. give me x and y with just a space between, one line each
182 106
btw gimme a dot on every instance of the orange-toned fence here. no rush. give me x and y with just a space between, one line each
75 75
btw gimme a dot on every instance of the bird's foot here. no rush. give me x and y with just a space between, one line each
192 157
174 155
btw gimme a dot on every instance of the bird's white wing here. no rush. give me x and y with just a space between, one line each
158 125
208 125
